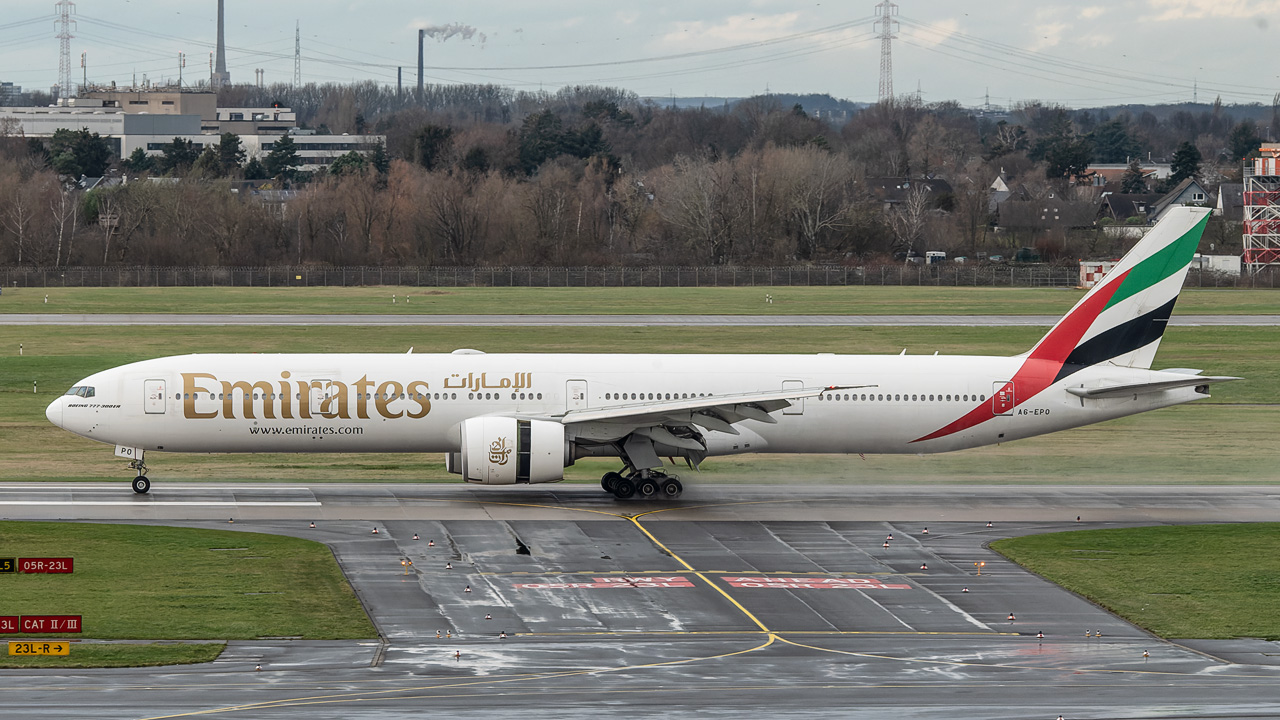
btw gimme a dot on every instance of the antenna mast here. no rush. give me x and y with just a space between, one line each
65 9
886 11
297 54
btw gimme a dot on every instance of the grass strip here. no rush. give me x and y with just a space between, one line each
139 582
1188 581
852 300
99 655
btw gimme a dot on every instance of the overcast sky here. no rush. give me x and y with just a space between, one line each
1081 52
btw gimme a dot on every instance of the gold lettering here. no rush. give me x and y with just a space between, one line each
424 402
228 399
335 394
304 399
286 397
189 391
362 397
383 399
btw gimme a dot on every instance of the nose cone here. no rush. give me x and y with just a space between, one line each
54 412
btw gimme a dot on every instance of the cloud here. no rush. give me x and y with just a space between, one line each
732 30
1198 9
1047 35
1092 12
936 33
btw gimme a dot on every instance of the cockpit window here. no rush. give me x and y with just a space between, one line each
84 391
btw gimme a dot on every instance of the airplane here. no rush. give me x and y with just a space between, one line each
506 419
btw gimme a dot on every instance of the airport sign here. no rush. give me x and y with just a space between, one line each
8 565
9 623
39 648
46 565
50 624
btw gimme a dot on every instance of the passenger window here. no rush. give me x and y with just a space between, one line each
539 396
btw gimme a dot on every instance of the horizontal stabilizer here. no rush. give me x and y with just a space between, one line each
1107 391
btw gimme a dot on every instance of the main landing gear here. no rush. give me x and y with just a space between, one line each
141 484
645 483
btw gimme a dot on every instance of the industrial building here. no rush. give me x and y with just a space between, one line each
152 119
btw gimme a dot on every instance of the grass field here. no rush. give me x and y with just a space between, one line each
1195 581
136 582
1220 443
854 300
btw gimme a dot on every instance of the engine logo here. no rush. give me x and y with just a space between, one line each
499 451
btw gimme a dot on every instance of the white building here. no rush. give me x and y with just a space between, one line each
126 131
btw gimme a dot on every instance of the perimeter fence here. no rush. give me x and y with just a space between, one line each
991 275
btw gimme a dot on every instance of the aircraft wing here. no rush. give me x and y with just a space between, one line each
657 418
1106 390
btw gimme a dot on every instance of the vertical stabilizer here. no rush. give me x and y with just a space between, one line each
1121 319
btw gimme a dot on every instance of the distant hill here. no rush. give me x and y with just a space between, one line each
823 103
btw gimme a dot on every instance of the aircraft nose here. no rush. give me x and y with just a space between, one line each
54 412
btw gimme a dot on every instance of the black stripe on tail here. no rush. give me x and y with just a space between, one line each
1124 338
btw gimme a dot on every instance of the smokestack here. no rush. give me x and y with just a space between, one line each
422 34
220 75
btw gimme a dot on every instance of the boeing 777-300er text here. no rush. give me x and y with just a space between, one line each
505 419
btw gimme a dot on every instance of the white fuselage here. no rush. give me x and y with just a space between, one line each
415 403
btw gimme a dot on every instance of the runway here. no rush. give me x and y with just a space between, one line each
777 601
19 319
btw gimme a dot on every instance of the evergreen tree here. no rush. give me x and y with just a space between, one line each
1244 139
1065 153
430 144
176 156
230 153
79 152
138 161
1186 163
379 160
353 163
283 161
254 170
1133 180
207 165
1112 142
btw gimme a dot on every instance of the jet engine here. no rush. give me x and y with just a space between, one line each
507 451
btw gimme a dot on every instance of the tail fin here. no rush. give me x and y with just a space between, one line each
1121 319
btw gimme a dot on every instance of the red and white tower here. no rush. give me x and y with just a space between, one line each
1262 209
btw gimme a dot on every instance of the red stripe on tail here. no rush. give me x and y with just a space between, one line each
1045 360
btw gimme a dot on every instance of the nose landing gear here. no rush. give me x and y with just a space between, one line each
141 484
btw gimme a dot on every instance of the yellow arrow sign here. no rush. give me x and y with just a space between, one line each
39 647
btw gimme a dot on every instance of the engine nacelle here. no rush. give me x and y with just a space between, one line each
507 451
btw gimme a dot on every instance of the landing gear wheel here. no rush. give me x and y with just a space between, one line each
624 488
609 480
141 484
671 488
647 487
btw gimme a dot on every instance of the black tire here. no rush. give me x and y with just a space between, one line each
647 487
624 488
141 485
671 488
609 480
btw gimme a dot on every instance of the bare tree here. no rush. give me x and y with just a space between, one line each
18 215
817 192
65 210
909 218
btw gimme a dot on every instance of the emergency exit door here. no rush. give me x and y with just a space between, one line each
153 396
575 395
1002 398
797 405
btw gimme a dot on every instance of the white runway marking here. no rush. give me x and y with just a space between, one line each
148 503
967 617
